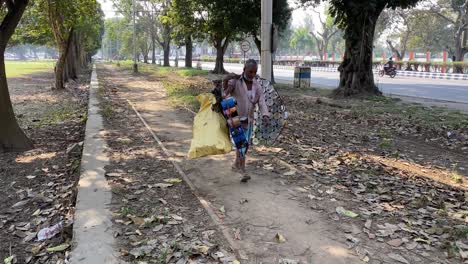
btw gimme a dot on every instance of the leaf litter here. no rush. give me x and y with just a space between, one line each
38 187
404 199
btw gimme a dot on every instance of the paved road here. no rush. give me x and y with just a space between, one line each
447 90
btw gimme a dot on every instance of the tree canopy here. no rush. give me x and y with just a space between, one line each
301 40
74 27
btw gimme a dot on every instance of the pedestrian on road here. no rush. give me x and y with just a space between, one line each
248 93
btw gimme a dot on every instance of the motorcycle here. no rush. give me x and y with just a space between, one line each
388 71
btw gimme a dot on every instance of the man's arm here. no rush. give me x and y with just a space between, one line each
229 84
230 87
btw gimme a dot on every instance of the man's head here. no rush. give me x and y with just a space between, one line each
391 58
250 69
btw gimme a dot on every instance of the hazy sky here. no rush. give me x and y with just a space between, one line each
299 14
107 6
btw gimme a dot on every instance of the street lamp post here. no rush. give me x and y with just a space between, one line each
267 22
135 65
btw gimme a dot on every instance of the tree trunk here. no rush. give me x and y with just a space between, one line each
460 49
219 66
334 49
167 51
188 51
220 50
325 48
145 55
77 64
73 73
60 65
394 50
86 58
258 43
59 71
320 50
70 66
404 44
319 46
356 76
153 49
12 138
66 70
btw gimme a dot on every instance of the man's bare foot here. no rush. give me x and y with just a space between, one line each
235 167
245 177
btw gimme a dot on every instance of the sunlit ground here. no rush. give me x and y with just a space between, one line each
22 68
441 175
35 157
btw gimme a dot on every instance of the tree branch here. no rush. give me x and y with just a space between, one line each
442 16
11 20
393 49
319 42
121 10
258 43
333 33
226 43
158 39
320 18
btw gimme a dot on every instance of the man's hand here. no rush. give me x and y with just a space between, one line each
266 120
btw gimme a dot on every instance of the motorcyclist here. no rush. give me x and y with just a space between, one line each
389 65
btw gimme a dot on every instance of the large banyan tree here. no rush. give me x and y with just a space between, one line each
358 18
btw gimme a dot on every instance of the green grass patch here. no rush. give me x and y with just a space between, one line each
182 85
182 94
21 68
159 70
456 177
124 211
386 143
192 72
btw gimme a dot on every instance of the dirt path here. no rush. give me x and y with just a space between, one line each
255 212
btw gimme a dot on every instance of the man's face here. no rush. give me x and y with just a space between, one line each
250 72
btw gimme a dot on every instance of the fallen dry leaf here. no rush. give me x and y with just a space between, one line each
280 238
173 180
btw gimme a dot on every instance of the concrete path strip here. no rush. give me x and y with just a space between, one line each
92 234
